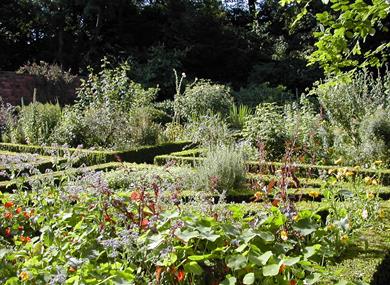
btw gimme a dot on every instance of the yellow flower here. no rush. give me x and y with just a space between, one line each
314 194
296 218
374 182
357 167
344 239
381 213
332 170
377 162
349 173
330 227
367 180
284 235
370 195
24 276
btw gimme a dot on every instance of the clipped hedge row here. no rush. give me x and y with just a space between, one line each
143 154
42 163
303 170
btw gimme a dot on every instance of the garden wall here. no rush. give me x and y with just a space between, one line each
14 87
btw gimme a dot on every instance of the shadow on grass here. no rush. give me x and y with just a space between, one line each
382 274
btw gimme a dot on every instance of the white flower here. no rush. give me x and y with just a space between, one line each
365 214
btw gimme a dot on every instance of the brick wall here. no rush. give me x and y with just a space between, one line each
14 87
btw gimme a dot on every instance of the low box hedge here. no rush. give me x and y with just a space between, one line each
143 154
301 170
42 163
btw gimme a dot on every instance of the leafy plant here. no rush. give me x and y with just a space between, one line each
267 126
239 115
222 169
204 98
112 86
36 121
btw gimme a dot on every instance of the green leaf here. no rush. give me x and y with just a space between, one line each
305 227
237 262
249 278
267 236
289 261
186 235
312 278
262 259
193 267
271 270
229 281
309 251
199 257
12 281
66 216
241 247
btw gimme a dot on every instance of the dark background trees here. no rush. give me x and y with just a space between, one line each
235 42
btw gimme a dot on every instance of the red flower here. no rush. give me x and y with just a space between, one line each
18 210
180 275
293 282
20 228
107 218
8 204
8 215
144 223
26 215
25 239
7 232
135 196
275 202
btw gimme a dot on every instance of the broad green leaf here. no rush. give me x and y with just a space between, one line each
199 257
309 251
237 262
289 261
305 227
229 281
249 278
241 247
312 278
271 270
186 235
262 259
193 267
267 236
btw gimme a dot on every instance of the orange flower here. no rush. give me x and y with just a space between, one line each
282 268
158 273
107 218
26 215
284 235
275 202
8 204
20 228
135 196
18 210
72 269
24 276
7 232
144 223
8 216
25 239
181 275
293 282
